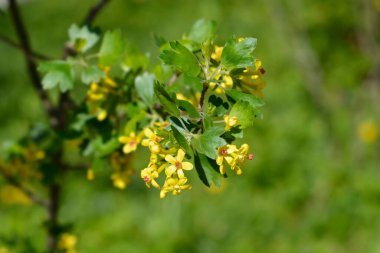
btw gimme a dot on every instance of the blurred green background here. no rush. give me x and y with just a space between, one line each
314 183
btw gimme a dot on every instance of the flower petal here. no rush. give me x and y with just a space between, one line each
187 166
180 155
169 171
170 159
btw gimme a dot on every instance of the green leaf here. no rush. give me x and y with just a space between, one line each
108 147
241 96
144 85
202 30
206 171
238 54
181 58
112 48
181 139
82 38
244 112
188 108
82 119
92 74
208 142
58 73
167 101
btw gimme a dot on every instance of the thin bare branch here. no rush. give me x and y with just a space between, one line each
15 45
30 61
94 11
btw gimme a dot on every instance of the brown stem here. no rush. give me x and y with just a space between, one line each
94 11
13 44
202 99
30 61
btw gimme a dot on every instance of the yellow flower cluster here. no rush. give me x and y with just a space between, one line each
368 132
230 122
122 170
251 79
234 157
99 92
162 159
67 243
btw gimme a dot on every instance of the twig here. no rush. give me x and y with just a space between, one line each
173 78
13 44
30 61
94 11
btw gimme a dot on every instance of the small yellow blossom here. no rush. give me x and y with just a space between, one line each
101 115
234 157
177 165
149 175
230 122
217 54
368 132
130 142
224 153
67 242
174 185
90 175
152 141
251 79
119 181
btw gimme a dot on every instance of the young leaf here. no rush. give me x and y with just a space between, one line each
81 38
112 48
58 73
92 74
188 108
144 85
238 53
167 101
202 30
241 96
206 171
181 139
208 142
244 112
181 58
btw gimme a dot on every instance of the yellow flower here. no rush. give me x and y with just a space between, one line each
239 159
368 132
234 157
174 185
216 55
149 175
101 115
226 84
224 153
162 125
177 164
251 79
119 181
152 141
90 174
230 122
130 142
67 241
